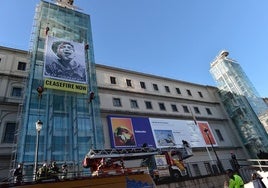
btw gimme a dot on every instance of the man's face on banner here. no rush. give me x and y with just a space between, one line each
65 51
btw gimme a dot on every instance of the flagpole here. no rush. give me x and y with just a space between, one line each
195 122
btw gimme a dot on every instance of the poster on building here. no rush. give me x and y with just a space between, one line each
128 132
123 132
170 133
207 135
64 60
164 138
156 132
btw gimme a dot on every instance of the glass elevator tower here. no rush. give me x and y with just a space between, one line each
241 101
68 107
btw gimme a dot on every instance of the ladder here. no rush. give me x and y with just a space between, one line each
121 153
131 153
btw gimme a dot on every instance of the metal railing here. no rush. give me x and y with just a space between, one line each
198 169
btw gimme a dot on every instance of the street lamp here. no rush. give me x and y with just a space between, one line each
38 126
218 160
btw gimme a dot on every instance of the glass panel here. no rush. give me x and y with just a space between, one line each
9 133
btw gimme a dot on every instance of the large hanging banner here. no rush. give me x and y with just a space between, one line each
64 61
65 86
160 133
130 132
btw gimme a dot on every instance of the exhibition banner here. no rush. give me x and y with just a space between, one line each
170 133
156 132
130 132
208 136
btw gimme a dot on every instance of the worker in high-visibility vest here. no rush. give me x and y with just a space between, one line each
235 181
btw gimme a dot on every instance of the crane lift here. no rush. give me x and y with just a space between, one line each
160 163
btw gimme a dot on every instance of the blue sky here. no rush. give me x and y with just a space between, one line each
171 38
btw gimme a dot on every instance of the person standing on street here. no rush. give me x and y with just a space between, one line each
257 181
235 181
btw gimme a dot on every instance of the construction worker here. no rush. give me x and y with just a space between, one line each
235 181
43 171
54 170
64 169
18 174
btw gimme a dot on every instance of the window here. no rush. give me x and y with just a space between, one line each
196 110
113 80
9 134
185 109
200 94
218 132
189 92
143 85
134 104
196 170
128 82
174 108
58 142
16 92
21 66
208 111
162 106
155 87
208 168
117 102
148 105
58 103
167 89
178 91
